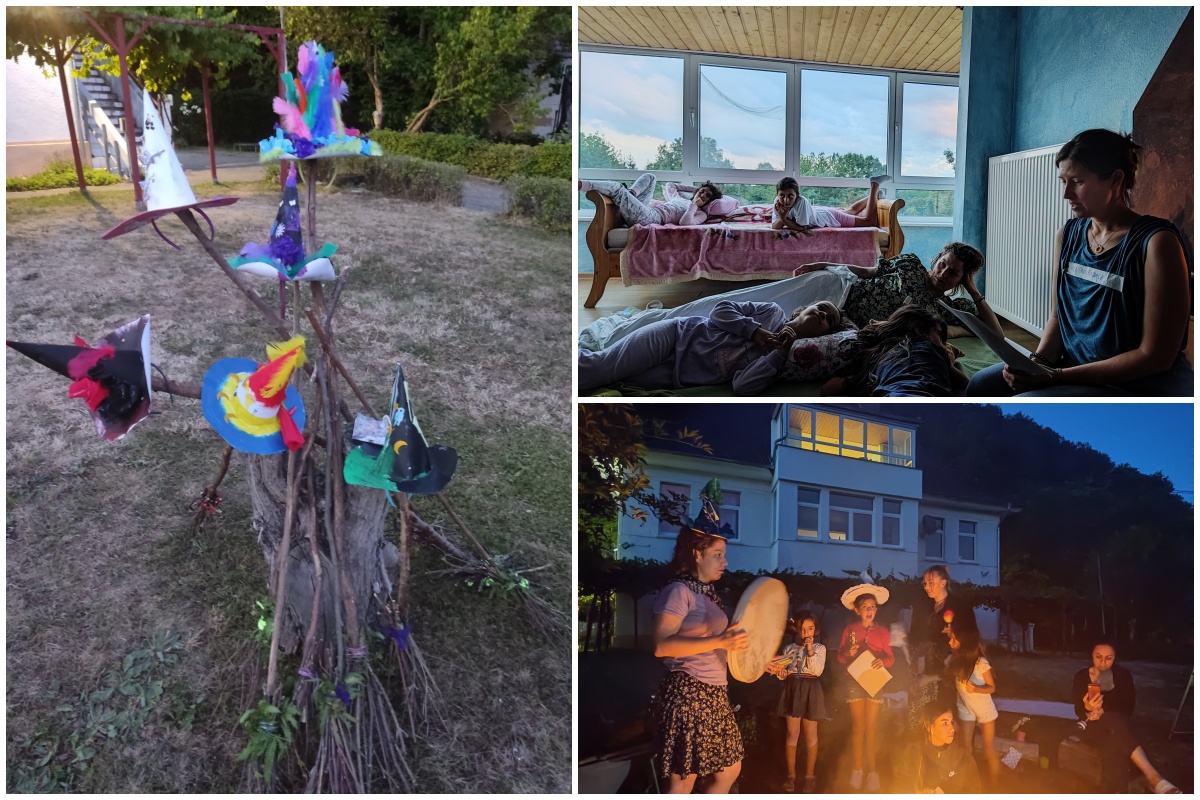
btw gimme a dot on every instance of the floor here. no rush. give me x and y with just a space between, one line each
617 297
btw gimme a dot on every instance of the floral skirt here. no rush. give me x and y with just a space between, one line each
697 733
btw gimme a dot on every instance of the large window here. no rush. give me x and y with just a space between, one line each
730 511
852 518
745 123
808 513
629 111
827 432
966 540
680 491
935 538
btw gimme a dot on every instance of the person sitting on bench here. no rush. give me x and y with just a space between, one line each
1104 696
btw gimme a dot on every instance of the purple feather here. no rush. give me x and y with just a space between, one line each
289 251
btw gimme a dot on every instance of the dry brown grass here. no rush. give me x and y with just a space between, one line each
99 551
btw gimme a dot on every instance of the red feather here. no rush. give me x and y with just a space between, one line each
293 439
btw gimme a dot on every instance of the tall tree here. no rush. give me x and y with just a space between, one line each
670 155
596 152
493 58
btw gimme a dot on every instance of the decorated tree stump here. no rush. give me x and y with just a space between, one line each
320 490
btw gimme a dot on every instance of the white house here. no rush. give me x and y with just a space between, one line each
821 489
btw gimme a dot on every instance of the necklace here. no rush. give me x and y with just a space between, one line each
1099 248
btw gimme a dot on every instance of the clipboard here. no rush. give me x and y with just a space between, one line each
871 680
1011 353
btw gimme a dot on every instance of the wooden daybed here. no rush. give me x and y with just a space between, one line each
607 236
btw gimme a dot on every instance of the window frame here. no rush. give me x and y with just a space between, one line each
891 457
974 537
674 529
736 536
898 515
925 544
851 513
690 117
802 504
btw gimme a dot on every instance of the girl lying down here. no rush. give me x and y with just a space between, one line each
703 351
638 208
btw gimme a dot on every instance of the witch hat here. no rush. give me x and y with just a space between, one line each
113 378
312 114
284 256
254 408
709 519
165 188
405 463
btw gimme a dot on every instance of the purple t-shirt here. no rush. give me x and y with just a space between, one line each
701 617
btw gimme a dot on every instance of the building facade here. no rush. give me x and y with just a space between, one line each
838 489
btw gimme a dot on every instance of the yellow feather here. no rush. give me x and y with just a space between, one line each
276 349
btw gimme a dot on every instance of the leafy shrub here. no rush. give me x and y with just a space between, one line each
414 179
393 175
550 160
497 161
547 201
60 174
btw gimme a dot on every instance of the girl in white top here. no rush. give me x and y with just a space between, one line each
973 679
802 702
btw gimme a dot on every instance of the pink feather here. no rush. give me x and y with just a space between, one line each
340 90
302 57
293 120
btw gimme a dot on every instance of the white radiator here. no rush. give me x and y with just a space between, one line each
1024 212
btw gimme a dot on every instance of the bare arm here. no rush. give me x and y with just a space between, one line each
671 190
669 642
862 272
1050 348
989 684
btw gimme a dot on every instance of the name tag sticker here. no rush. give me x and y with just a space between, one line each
1093 275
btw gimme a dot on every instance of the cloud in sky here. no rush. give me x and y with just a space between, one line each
930 128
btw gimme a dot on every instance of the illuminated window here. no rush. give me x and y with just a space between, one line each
677 491
808 512
966 540
891 523
825 432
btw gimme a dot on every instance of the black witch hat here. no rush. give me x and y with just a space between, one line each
113 378
406 462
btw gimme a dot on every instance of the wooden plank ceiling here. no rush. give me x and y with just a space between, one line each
923 39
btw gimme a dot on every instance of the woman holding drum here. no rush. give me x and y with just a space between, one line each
697 733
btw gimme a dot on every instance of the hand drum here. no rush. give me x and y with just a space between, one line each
762 612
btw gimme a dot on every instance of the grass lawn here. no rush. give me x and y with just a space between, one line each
101 561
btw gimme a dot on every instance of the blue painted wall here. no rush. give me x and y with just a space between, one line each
1080 68
1036 76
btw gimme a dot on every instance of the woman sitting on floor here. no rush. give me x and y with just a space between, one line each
638 208
1104 714
906 355
703 351
1121 289
937 763
903 280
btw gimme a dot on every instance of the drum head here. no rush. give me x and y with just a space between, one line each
762 612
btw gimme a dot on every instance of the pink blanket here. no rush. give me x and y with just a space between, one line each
737 252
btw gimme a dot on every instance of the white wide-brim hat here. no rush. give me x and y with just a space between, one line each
880 594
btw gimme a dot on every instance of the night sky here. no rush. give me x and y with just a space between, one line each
1155 437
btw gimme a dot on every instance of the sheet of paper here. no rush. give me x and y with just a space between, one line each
1010 352
871 680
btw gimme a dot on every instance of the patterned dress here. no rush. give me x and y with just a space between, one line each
900 281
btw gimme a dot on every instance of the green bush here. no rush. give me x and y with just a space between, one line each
60 174
415 179
550 160
478 157
547 201
393 175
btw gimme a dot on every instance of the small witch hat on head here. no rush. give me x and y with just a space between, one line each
164 186
709 520
113 378
312 113
283 257
405 462
253 407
